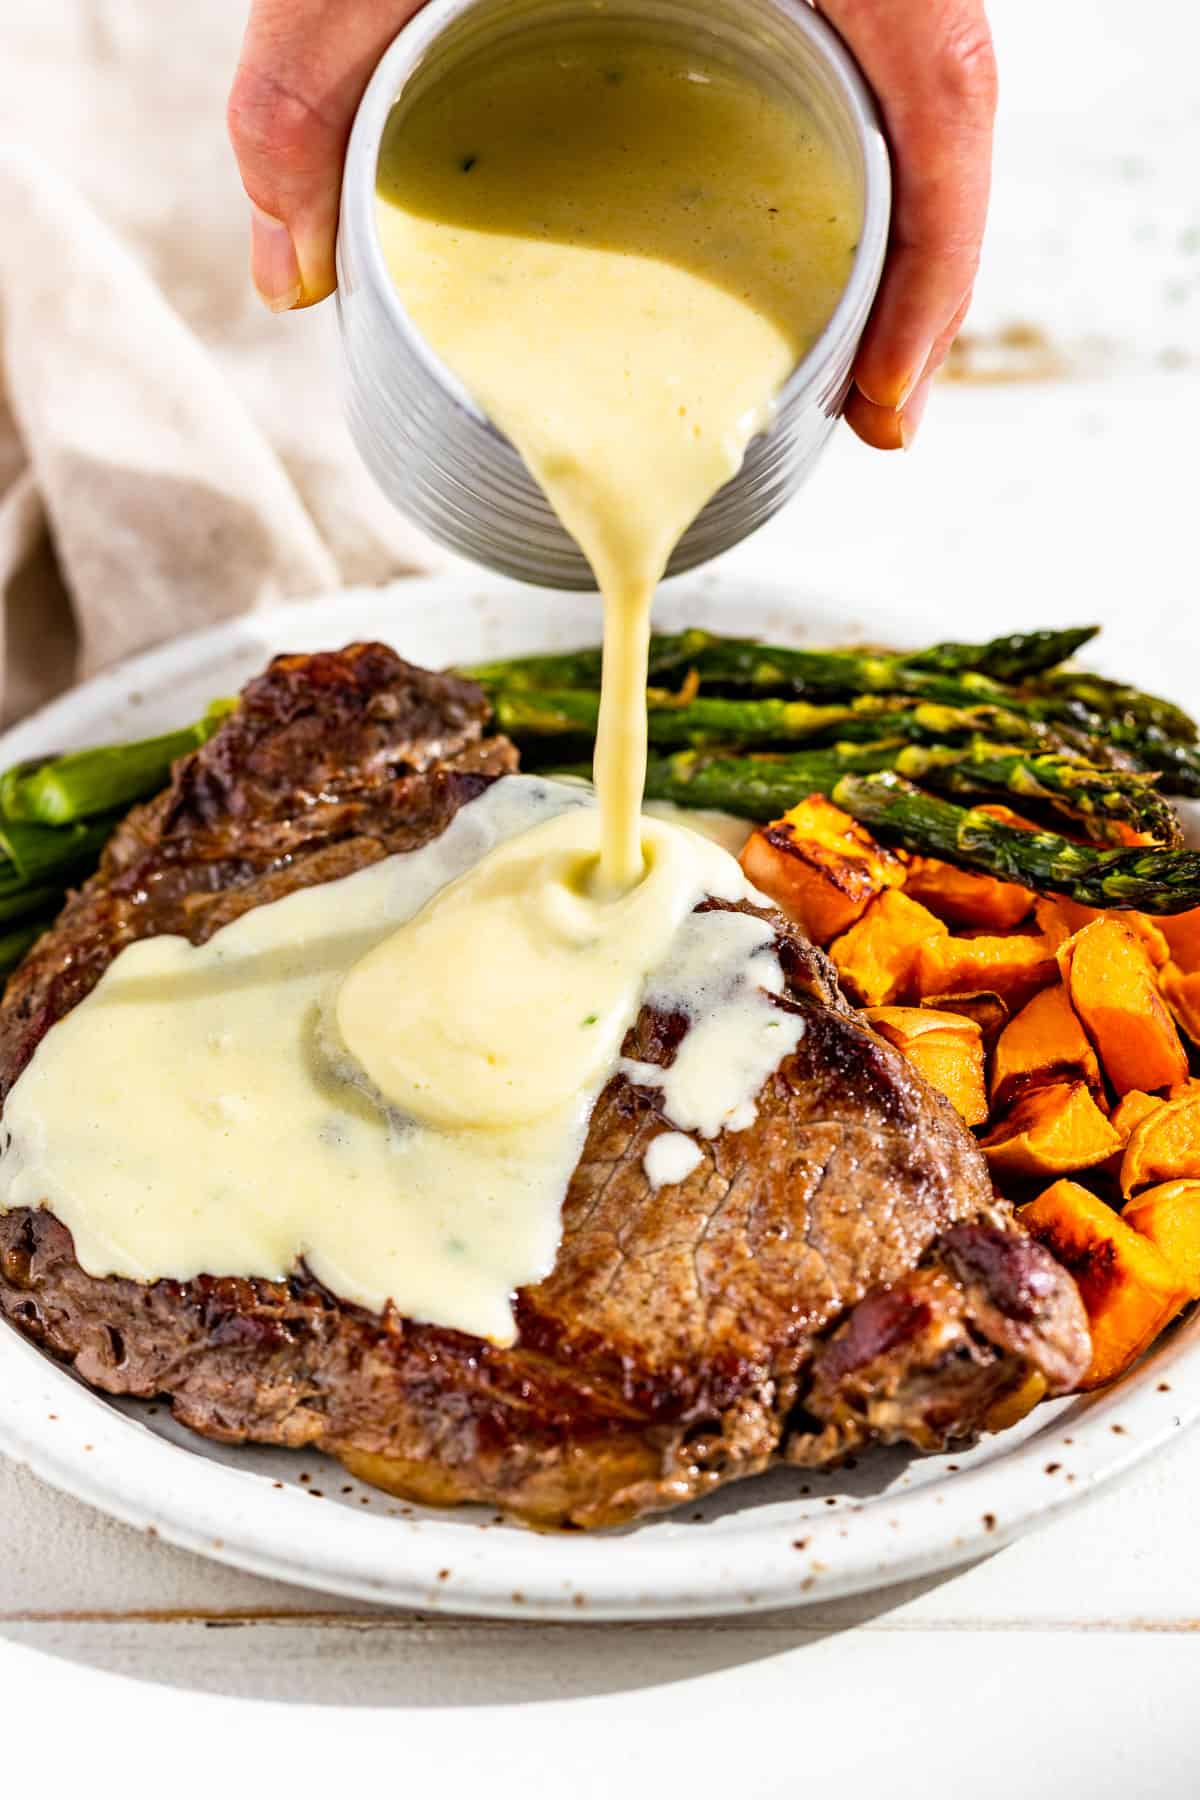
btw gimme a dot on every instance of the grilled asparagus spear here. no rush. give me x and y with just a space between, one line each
670 653
959 674
764 786
1018 657
62 789
18 898
1114 700
1106 723
1151 880
526 714
1146 747
742 664
1099 798
531 714
755 787
757 671
46 855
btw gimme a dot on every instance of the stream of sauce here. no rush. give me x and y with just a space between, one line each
621 252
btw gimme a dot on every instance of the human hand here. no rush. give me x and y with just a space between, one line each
305 64
303 69
931 65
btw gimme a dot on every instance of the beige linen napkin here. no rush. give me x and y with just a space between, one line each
170 453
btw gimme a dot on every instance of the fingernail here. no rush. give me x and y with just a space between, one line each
891 395
912 413
911 382
274 265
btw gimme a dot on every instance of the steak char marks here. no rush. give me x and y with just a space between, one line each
837 1274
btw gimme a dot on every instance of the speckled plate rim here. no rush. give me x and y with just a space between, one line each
784 1554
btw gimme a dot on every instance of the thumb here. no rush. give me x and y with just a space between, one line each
303 68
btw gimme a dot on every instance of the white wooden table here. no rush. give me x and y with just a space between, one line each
1068 1663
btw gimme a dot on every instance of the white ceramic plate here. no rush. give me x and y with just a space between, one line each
782 1540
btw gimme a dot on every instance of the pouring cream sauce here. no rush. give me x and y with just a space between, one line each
621 252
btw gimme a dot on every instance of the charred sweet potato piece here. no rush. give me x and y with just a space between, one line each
964 897
1164 1146
1050 1131
1182 932
876 958
1112 987
1051 923
1013 967
820 866
1129 1112
987 1010
1131 1109
1073 918
1150 932
945 1047
1169 1216
1128 1287
1043 1044
1181 991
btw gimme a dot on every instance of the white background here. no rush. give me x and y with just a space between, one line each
1068 1663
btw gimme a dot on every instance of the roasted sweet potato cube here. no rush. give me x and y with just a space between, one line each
1073 918
1051 923
1182 932
1050 1131
1128 1287
1131 1109
946 1048
1112 988
1043 1044
1129 1112
902 1025
877 957
820 866
1146 928
1013 967
1164 1146
1169 1216
987 1010
965 897
1181 991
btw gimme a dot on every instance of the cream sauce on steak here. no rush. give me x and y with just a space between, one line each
362 1076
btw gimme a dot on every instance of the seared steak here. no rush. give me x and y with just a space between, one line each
838 1273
